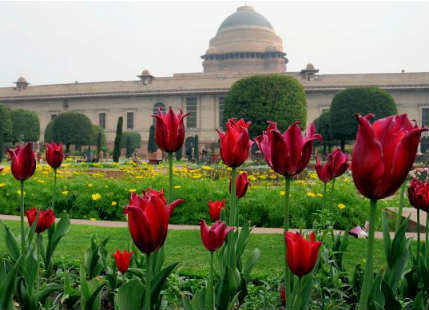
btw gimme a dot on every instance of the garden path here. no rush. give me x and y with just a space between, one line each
257 230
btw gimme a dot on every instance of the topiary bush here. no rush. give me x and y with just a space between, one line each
5 128
25 126
360 100
72 128
273 97
118 140
131 140
152 147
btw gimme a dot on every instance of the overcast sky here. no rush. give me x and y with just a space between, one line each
96 41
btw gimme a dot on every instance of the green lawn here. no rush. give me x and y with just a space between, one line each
186 247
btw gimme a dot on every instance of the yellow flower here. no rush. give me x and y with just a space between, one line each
132 190
89 185
114 203
93 219
177 186
319 195
341 206
282 193
65 193
311 194
251 178
2 185
95 196
19 192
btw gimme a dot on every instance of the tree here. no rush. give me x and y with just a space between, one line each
323 124
273 97
49 132
25 126
152 147
196 149
118 138
179 153
361 100
96 131
5 128
135 141
72 128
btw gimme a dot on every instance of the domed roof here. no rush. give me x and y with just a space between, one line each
22 79
245 16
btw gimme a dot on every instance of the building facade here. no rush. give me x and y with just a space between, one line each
245 44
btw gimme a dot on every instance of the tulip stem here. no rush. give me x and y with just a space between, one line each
367 280
427 236
211 281
38 247
170 177
148 291
324 194
22 217
232 211
54 196
418 234
286 228
401 205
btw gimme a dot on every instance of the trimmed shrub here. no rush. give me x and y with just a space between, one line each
152 147
25 126
72 128
118 140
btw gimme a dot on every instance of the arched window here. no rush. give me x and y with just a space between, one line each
157 106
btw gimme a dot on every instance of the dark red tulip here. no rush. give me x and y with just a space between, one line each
288 153
383 154
418 194
214 237
122 260
283 295
45 220
235 142
54 155
1 169
215 207
335 165
241 185
148 217
23 162
301 253
169 130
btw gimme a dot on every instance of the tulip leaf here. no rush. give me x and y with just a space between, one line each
130 295
389 297
55 233
11 242
158 282
7 287
251 262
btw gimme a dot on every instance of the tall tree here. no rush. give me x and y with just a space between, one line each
118 138
25 126
72 128
362 100
151 146
273 97
131 140
5 128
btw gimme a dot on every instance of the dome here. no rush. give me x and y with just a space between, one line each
22 79
309 67
145 72
245 16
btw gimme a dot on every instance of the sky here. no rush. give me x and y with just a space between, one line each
64 42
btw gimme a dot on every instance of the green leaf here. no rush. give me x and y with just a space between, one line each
11 243
158 282
251 262
7 287
130 295
389 297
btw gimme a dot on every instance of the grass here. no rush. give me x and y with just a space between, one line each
186 247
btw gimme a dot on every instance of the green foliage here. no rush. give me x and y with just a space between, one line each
49 132
196 149
179 153
152 147
96 132
25 126
358 100
323 124
118 140
273 97
131 140
5 128
72 128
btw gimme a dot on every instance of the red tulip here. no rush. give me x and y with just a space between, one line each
301 253
383 154
45 220
418 194
335 165
1 169
148 217
288 153
241 185
214 237
54 155
235 142
215 207
122 260
169 130
23 162
283 295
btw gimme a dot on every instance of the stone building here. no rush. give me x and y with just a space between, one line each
244 44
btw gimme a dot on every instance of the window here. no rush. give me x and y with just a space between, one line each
157 106
53 116
191 107
130 120
221 111
425 116
102 120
